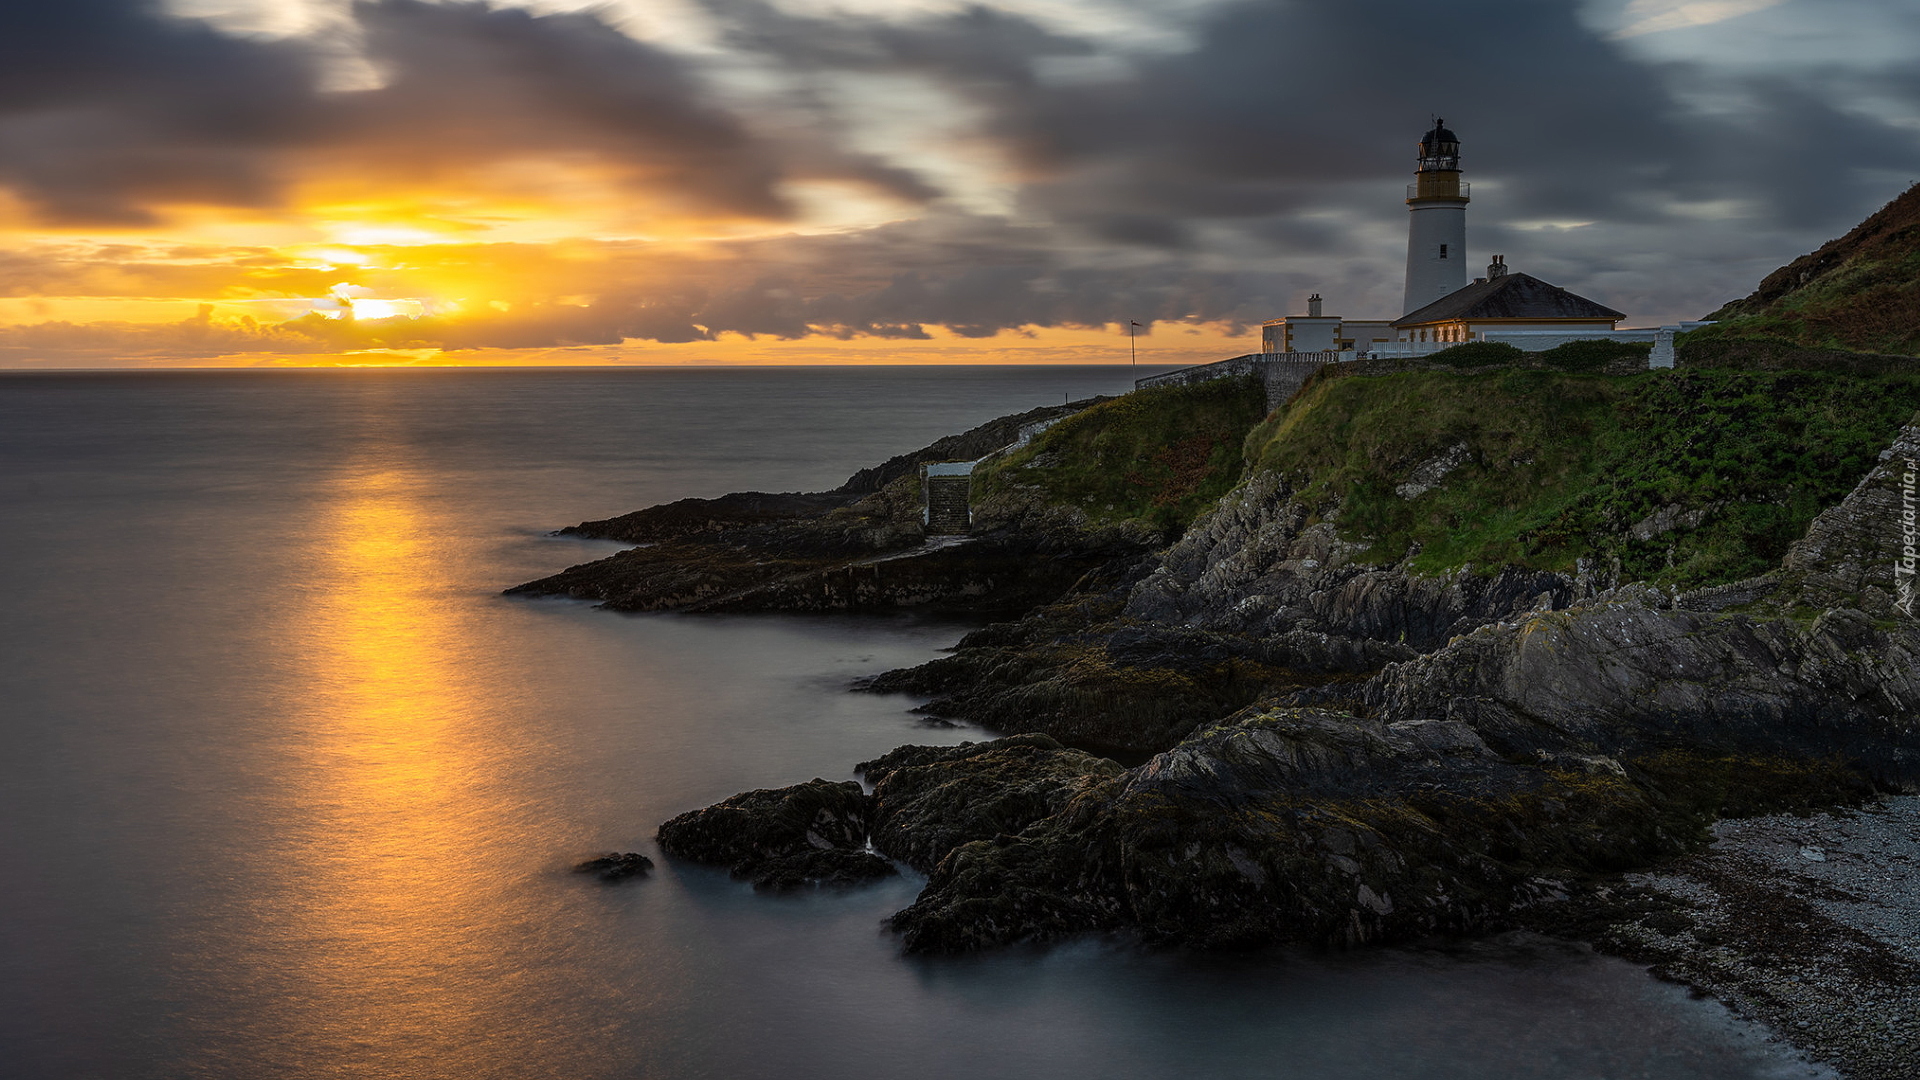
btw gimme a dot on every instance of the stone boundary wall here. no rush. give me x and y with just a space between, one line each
1281 373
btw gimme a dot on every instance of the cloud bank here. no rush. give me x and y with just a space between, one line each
1036 174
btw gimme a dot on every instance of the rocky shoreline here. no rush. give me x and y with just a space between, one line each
1266 732
1807 923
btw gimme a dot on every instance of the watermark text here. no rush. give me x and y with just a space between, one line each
1904 566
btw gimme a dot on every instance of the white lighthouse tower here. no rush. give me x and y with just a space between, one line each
1437 231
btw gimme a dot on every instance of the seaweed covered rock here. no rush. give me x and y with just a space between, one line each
1620 675
783 838
1316 827
1265 563
616 866
1117 688
929 800
862 546
1291 825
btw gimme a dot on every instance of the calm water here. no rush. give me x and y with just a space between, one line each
288 790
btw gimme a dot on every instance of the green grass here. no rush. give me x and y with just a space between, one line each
1159 456
1562 465
1868 305
1586 355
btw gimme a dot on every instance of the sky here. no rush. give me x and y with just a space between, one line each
307 182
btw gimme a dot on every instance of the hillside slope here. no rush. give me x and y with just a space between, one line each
1859 292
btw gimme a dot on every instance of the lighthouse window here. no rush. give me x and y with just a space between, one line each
1443 251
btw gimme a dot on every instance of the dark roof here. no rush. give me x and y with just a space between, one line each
1439 134
1512 296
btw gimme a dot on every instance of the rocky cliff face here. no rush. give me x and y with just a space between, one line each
1527 731
1861 552
860 547
1264 564
1260 596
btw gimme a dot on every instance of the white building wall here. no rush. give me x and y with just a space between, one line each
1436 252
1312 335
1540 340
1300 333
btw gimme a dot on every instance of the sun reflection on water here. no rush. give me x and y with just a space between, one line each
397 963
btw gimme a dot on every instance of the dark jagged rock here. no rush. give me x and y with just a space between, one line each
1454 791
1118 687
992 574
616 866
1256 599
1619 673
783 838
1316 827
1264 564
692 517
861 547
929 800
1283 826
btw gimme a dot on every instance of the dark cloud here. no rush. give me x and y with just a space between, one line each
113 109
1278 105
1220 180
110 106
468 82
1283 113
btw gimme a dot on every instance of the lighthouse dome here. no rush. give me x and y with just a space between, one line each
1440 149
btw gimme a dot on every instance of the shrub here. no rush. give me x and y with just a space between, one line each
1474 354
1592 354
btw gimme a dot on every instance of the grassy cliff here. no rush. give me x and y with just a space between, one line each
1682 477
1158 457
1860 292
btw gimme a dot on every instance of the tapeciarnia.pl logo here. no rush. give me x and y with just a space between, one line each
1903 567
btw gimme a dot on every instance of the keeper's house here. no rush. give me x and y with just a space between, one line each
1505 307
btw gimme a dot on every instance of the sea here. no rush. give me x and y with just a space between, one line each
288 789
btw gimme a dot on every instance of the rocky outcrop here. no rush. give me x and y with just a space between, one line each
1530 734
1860 553
692 517
1260 597
1264 563
1628 674
929 800
861 547
1485 776
994 574
1290 825
1117 687
785 838
616 866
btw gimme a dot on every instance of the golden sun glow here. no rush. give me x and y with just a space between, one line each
372 262
392 735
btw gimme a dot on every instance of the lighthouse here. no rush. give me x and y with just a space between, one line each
1437 229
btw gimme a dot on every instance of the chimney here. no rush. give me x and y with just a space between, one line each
1497 268
1313 306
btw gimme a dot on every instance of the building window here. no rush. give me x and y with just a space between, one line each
1443 251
